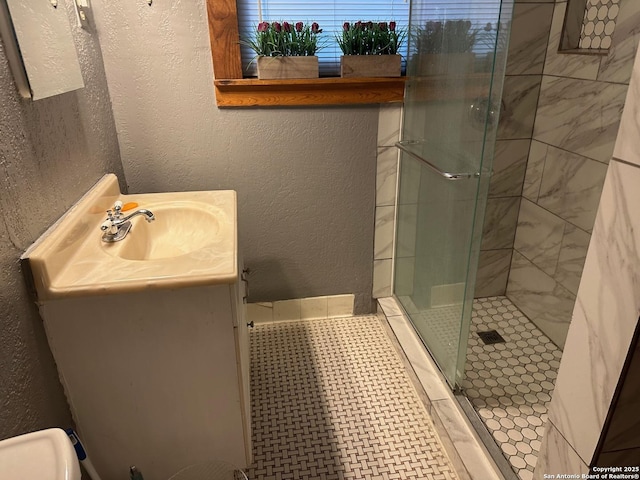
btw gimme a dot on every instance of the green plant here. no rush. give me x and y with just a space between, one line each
452 36
276 39
370 38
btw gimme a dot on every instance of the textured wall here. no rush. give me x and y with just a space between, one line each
51 152
305 177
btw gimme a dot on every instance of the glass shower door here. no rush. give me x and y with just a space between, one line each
455 73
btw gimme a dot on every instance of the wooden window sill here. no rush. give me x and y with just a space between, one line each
248 92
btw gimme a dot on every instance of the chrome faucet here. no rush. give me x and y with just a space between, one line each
116 227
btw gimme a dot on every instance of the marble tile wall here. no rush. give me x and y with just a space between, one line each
579 107
605 314
557 456
618 64
562 64
525 62
570 106
389 120
604 317
580 116
541 296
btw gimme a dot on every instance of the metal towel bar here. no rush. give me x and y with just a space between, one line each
404 146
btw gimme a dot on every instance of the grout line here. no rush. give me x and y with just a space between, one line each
625 162
553 425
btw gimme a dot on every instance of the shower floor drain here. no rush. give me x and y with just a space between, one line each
490 337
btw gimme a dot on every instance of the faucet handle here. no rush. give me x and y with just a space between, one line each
108 227
115 212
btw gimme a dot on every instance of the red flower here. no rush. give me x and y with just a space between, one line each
276 26
286 26
263 26
358 25
383 26
392 26
315 28
345 26
299 26
369 24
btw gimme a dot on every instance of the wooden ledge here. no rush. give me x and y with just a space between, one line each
318 91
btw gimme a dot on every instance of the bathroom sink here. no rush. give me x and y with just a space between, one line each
180 228
192 242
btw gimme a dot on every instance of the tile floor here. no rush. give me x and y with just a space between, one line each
510 384
331 399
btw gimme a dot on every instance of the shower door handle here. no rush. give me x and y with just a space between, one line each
404 145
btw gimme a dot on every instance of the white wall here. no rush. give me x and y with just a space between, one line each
305 176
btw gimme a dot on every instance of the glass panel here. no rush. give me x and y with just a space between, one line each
452 102
435 218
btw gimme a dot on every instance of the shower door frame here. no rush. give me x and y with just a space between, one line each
481 176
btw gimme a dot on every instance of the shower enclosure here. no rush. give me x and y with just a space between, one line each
455 73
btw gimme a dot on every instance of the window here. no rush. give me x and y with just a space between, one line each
481 16
234 91
330 15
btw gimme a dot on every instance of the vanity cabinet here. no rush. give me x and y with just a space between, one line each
149 333
157 378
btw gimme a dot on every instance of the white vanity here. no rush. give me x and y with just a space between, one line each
149 333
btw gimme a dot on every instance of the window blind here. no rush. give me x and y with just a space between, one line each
484 15
331 14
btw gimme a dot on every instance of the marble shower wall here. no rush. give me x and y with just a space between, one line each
389 120
581 98
527 48
532 163
525 63
605 313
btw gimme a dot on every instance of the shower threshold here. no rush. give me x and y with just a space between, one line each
457 433
507 388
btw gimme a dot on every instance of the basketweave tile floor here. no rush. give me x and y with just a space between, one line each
510 384
331 399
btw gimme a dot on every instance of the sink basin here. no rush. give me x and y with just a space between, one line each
192 242
180 228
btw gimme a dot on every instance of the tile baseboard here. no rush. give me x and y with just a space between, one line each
309 308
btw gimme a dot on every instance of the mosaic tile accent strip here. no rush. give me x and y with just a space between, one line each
510 384
331 400
599 23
